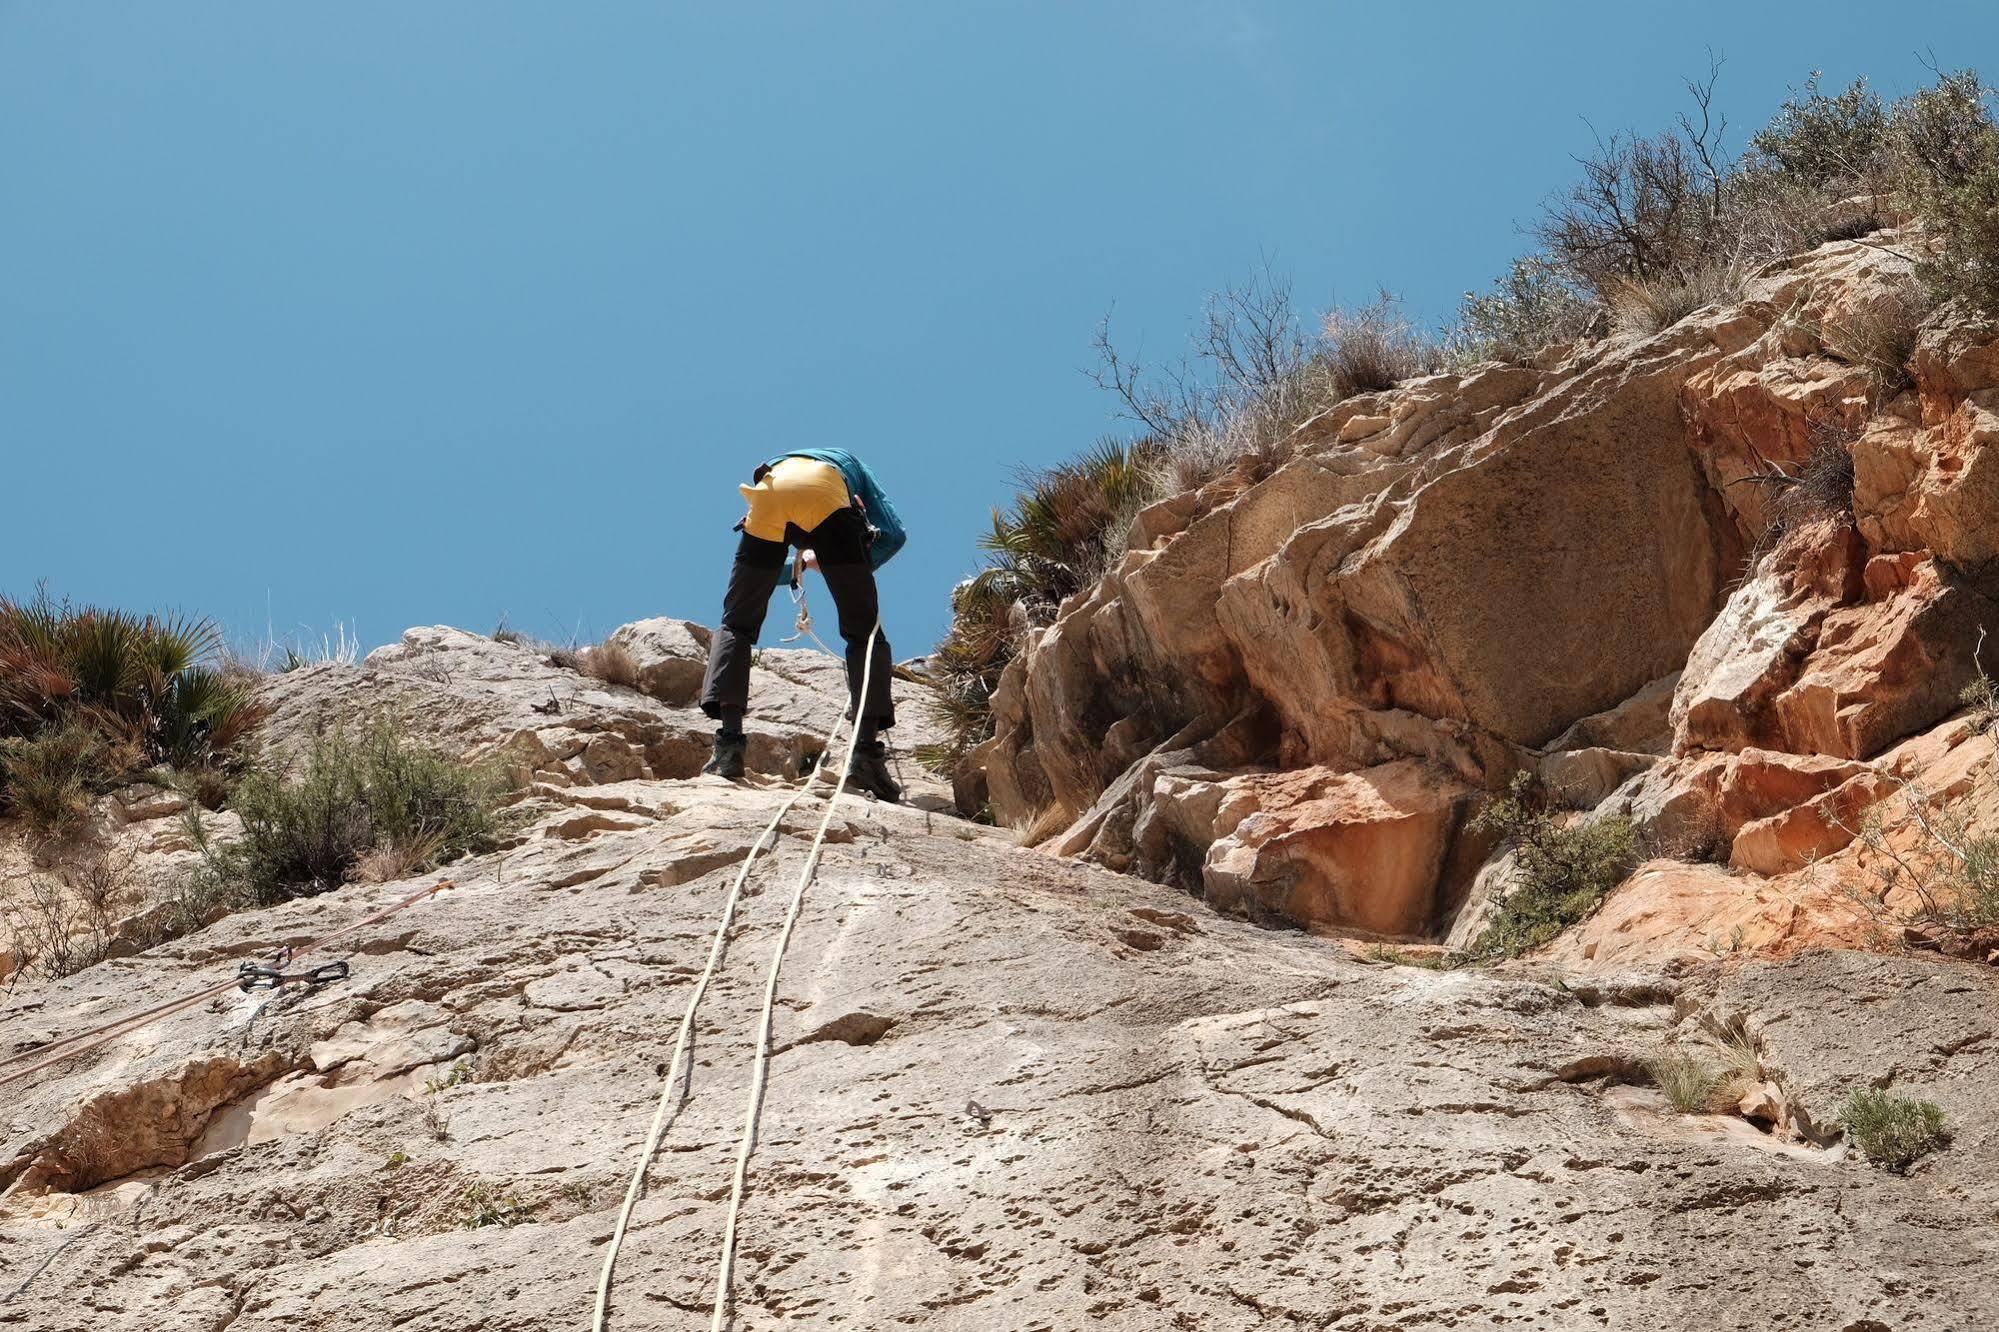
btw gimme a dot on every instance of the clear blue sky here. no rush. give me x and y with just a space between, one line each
407 313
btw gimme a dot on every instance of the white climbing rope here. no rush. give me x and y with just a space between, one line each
761 1070
677 1068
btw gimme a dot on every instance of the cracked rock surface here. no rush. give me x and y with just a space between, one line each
1008 1093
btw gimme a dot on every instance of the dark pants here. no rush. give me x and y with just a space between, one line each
841 543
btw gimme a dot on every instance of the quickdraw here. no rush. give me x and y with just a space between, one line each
250 976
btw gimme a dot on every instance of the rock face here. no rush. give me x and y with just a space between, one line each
1625 574
1008 1092
485 699
1014 1091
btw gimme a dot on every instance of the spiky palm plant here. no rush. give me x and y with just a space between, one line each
149 687
1051 543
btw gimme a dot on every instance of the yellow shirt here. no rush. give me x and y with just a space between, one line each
804 491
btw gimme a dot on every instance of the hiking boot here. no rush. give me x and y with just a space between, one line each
728 758
869 772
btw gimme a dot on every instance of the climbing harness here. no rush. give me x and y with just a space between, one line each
55 1052
677 1067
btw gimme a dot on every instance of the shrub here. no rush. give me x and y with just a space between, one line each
1049 544
61 923
1646 210
49 779
149 689
1248 346
1236 403
1893 1131
353 796
1562 872
1981 698
1949 875
1945 151
1374 347
1657 227
1532 307
1965 220
1940 135
1819 138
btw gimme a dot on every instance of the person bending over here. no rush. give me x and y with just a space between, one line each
827 504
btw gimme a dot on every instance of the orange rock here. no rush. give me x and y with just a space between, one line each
1758 783
1698 912
1362 849
1806 662
1809 831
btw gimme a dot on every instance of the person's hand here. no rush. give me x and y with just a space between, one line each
809 560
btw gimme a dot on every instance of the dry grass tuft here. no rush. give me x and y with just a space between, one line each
1374 347
1881 338
1820 491
610 662
1047 821
400 857
1644 306
1690 1084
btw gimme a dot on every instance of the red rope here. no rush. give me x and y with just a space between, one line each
57 1051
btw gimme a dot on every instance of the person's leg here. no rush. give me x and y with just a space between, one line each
841 544
725 692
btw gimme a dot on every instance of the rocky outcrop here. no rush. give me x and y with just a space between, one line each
507 702
484 700
1707 578
1007 1092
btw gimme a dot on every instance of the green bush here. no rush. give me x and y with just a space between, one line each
1893 1131
48 779
1052 542
89 697
1819 138
1945 149
310 831
1981 698
1530 308
1562 872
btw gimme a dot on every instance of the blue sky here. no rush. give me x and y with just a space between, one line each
412 313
